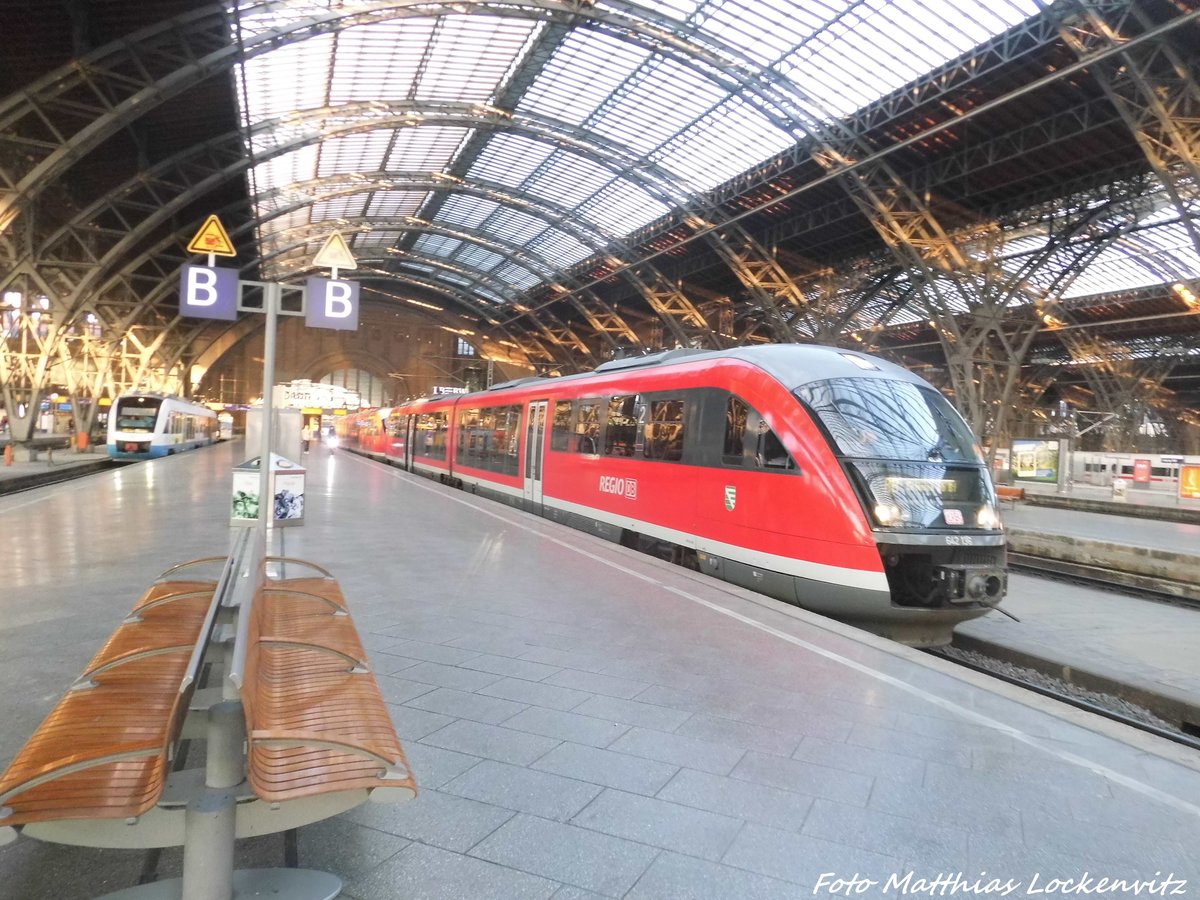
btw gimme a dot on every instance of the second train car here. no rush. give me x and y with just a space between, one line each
146 426
827 478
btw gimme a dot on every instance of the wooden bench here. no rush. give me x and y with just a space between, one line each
1009 492
316 721
296 729
104 750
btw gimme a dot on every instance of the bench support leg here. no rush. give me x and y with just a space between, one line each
208 852
210 824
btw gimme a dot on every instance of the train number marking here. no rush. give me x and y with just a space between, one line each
960 540
621 487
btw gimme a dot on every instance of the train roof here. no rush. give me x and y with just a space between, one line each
793 365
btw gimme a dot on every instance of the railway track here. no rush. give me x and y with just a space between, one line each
55 473
1143 586
1109 706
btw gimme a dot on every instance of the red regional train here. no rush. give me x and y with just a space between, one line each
823 477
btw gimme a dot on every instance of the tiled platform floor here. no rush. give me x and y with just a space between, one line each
588 722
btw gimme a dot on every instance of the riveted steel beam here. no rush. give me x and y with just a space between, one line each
1153 88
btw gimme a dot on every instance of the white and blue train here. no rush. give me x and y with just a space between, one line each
146 426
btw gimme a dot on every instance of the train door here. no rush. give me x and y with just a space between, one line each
535 448
410 440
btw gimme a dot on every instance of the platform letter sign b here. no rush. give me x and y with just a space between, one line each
209 293
332 304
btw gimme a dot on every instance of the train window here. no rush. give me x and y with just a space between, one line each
488 438
560 434
506 438
749 442
587 430
664 430
472 440
431 435
621 435
882 418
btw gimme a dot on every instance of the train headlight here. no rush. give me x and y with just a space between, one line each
887 513
988 517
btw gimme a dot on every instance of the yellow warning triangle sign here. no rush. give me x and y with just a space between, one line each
335 254
212 238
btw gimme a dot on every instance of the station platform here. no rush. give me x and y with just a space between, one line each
585 721
53 464
1150 553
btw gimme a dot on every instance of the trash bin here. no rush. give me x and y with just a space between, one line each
286 486
1118 488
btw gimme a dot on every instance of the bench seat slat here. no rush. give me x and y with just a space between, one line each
176 624
326 588
163 590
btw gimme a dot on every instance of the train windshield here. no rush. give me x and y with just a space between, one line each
874 418
910 455
137 415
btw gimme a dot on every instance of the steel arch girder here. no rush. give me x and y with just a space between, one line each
715 60
1154 91
535 207
163 210
509 252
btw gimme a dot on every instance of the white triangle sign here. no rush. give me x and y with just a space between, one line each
335 254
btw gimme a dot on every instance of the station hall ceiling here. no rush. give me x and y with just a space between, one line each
585 172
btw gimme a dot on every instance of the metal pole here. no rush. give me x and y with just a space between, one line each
210 821
266 502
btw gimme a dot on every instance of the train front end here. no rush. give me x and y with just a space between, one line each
926 492
132 428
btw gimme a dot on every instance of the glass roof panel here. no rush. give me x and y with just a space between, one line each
839 65
350 207
437 245
424 149
765 31
560 246
287 169
581 75
271 82
461 209
620 208
665 99
375 239
509 159
393 204
380 62
1155 256
475 257
517 227
354 153
706 156
518 277
675 9
470 55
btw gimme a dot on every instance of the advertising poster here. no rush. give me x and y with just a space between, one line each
1189 482
289 495
1035 460
245 496
1141 471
